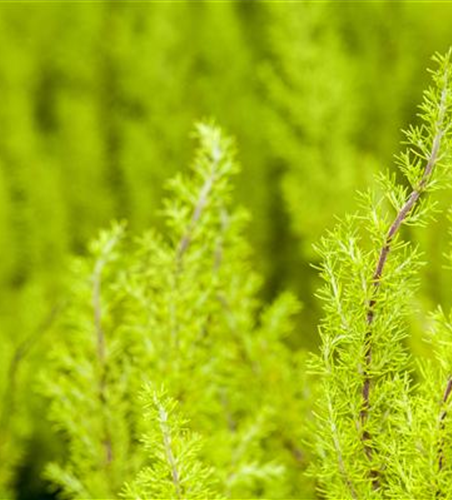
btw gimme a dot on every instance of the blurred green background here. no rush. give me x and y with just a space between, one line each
97 100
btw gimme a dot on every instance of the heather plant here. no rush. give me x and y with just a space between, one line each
178 310
183 310
81 117
380 435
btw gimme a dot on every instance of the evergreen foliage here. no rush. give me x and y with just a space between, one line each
376 435
167 358
176 471
179 309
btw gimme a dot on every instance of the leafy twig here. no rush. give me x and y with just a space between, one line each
400 218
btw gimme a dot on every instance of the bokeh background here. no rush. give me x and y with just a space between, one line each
97 101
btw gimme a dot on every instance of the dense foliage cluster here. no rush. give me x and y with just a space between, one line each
177 310
169 357
379 434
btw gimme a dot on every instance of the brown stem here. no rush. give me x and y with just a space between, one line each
100 339
378 273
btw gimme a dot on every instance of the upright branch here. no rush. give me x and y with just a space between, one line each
100 336
200 205
213 164
187 237
169 455
174 467
439 130
340 458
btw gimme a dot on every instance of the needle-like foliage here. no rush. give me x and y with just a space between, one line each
426 457
370 274
90 377
175 470
179 310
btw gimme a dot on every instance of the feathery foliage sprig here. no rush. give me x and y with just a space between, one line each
370 277
427 455
89 377
179 310
175 470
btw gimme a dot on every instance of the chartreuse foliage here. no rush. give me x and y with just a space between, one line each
87 138
379 435
317 110
178 310
90 133
175 470
170 379
428 459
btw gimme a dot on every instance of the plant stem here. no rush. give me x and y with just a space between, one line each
336 441
163 418
204 193
185 241
378 273
100 339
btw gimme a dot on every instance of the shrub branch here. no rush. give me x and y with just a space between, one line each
100 339
400 218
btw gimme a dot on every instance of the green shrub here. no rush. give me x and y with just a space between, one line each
97 99
179 310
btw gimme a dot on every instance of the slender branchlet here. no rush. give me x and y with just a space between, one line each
100 336
184 242
367 298
213 164
440 128
175 470
340 458
166 436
